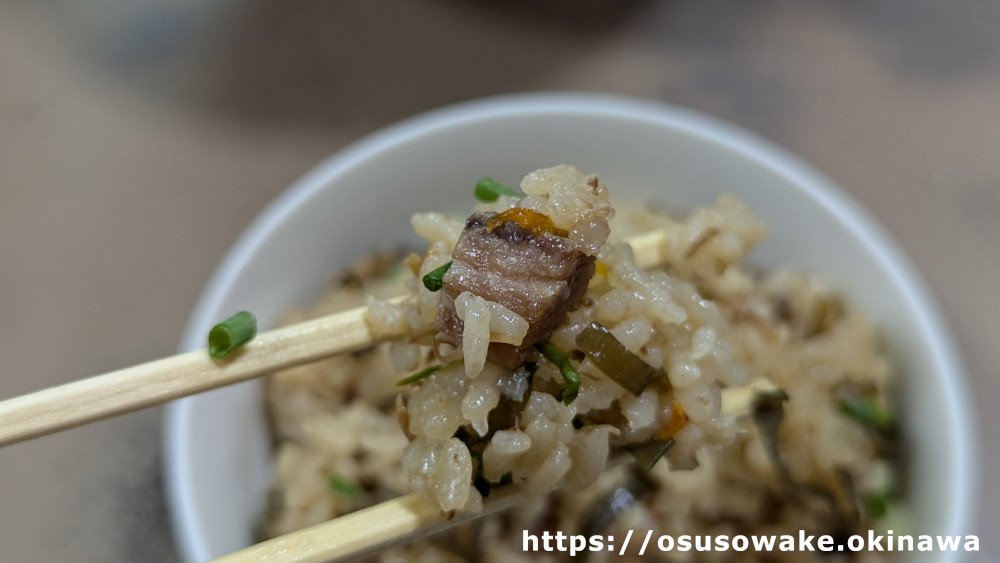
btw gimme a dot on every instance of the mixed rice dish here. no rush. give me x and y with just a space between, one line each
684 393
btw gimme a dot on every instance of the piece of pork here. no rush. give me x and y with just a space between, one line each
538 276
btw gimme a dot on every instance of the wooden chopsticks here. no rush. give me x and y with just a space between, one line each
353 535
138 387
366 531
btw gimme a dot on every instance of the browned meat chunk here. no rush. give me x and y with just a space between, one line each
538 276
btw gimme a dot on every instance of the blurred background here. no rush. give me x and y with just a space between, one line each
137 140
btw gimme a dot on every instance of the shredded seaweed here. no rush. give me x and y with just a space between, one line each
648 453
615 360
768 412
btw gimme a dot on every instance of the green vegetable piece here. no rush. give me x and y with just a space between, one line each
867 412
490 190
231 333
434 280
615 360
648 453
877 505
342 486
425 372
561 361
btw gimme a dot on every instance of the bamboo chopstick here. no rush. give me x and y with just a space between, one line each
393 522
138 387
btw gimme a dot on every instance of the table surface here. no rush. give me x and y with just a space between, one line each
138 139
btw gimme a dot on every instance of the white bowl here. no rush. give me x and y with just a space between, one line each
360 200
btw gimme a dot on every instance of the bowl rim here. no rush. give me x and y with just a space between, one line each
839 203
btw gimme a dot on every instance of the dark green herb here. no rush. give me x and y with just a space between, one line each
616 361
561 361
342 486
867 412
425 372
231 333
489 190
434 280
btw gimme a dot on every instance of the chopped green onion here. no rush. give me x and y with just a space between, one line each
342 486
877 504
425 372
561 361
615 360
231 333
867 412
489 190
434 280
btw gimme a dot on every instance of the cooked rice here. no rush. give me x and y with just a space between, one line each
704 318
